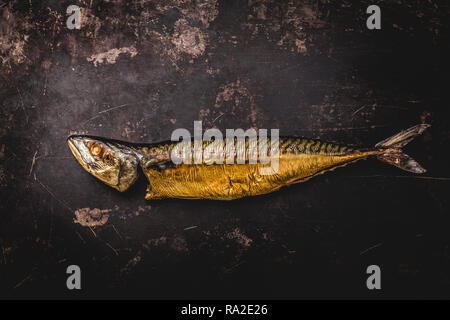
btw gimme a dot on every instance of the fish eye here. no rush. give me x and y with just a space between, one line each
96 150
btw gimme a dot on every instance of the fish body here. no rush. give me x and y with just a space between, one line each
299 159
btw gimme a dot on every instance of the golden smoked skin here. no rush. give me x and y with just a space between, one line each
232 181
213 176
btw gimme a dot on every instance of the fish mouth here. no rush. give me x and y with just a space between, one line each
72 143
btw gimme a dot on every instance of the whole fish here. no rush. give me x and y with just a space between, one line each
116 164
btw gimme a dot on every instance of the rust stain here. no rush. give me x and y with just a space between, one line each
12 38
111 56
132 263
285 24
155 242
90 23
240 238
179 244
187 39
3 181
91 217
202 11
142 209
234 99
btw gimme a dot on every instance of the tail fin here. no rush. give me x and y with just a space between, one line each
393 153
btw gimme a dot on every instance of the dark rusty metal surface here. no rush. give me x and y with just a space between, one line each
137 70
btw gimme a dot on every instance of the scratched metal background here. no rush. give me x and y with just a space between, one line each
137 70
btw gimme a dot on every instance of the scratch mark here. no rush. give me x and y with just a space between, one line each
52 158
23 281
218 117
343 128
32 163
52 194
104 111
115 251
3 254
21 103
79 235
235 266
371 248
358 110
93 232
117 232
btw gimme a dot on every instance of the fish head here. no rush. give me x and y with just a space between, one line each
110 161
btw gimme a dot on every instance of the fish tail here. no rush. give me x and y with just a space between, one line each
390 149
